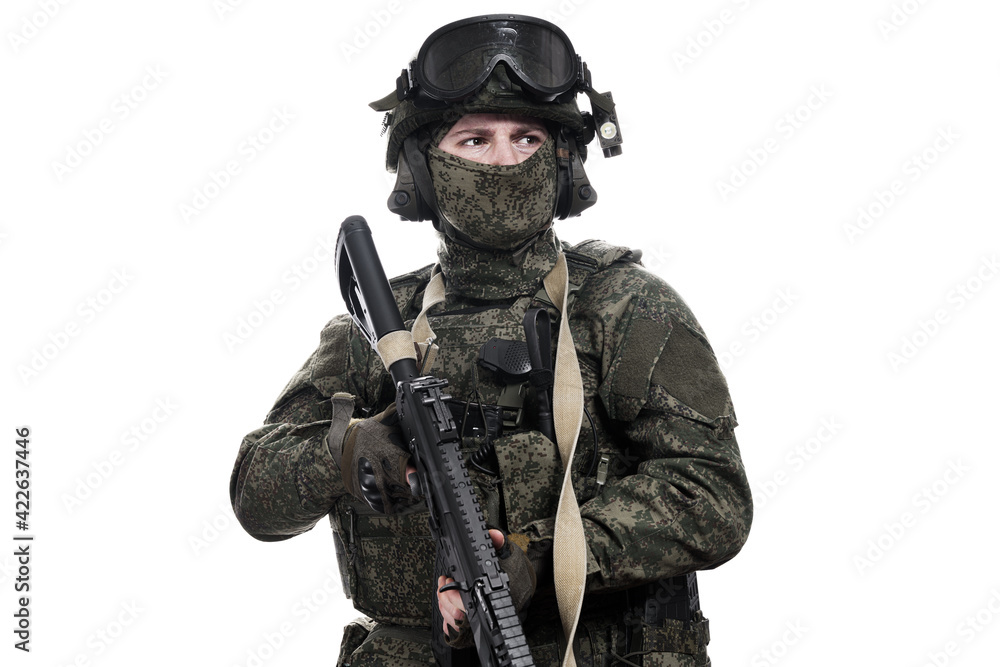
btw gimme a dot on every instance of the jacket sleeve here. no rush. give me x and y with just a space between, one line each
685 507
285 478
677 499
684 502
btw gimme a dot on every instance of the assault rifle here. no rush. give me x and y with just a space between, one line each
465 551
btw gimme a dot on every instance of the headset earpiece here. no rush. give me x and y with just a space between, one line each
408 199
575 194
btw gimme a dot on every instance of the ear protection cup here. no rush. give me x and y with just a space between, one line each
575 194
413 195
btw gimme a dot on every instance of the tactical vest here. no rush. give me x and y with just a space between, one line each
386 562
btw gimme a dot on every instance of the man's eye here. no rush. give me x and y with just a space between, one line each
474 141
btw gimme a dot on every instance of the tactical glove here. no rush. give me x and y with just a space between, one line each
372 456
521 577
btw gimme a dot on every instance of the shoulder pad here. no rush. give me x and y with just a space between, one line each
591 256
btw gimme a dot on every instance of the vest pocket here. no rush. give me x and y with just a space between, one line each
676 644
390 559
355 634
601 641
532 475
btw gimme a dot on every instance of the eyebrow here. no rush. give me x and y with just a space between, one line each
520 129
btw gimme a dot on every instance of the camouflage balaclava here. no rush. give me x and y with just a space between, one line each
500 207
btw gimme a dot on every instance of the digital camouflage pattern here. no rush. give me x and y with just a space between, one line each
499 95
676 498
500 206
490 276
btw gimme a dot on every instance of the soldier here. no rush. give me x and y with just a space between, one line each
487 141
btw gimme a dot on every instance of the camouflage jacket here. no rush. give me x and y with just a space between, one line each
674 499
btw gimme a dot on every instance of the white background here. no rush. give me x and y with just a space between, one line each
848 561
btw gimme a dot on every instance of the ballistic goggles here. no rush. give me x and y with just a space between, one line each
457 60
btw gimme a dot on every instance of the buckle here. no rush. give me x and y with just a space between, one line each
511 404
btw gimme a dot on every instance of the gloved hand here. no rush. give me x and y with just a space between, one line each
520 573
372 456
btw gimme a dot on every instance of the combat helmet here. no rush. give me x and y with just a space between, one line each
506 63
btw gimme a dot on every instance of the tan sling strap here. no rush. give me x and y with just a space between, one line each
570 542
423 335
395 346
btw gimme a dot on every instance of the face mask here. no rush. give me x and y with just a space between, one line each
498 206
